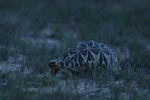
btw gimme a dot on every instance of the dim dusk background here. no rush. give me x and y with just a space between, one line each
32 32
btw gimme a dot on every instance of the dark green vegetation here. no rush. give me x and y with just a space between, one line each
25 23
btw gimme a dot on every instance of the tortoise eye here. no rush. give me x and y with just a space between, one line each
51 64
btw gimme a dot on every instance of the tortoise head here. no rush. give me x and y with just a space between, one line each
55 65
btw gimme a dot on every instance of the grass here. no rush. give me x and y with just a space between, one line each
4 53
118 24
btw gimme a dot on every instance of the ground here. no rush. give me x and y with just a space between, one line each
34 32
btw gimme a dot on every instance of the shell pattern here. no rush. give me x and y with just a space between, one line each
89 55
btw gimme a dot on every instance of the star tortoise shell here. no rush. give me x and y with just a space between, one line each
85 55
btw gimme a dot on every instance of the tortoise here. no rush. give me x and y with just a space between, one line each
83 56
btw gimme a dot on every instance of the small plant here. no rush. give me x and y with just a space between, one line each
4 53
